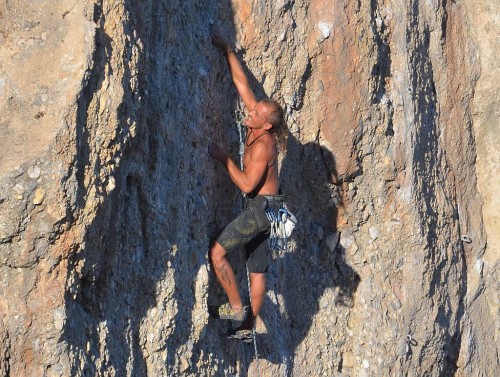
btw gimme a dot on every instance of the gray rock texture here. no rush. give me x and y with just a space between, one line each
108 198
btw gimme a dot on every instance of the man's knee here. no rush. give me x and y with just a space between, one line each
258 280
216 252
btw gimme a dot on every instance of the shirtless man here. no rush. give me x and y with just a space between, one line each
259 181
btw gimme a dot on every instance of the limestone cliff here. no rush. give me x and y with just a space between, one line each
108 198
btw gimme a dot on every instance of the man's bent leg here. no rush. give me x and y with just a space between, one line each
225 275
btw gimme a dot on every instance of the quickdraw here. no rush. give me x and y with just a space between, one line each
282 224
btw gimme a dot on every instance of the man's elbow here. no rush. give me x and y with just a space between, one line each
247 188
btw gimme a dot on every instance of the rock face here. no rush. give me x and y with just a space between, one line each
108 199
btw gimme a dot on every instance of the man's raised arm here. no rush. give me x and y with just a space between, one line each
239 77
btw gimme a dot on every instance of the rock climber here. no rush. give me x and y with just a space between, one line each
259 181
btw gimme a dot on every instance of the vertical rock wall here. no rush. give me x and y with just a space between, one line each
108 198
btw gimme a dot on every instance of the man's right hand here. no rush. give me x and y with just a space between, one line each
237 73
219 41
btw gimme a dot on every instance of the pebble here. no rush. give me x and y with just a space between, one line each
374 233
19 189
42 246
346 240
352 249
202 72
479 265
325 29
111 185
323 340
17 172
39 196
332 241
388 160
184 365
59 318
34 172
56 369
59 314
348 360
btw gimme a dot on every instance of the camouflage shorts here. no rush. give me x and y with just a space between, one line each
250 230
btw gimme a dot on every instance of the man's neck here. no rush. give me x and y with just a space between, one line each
253 135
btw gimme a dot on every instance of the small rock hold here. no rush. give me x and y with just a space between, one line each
202 72
34 172
348 360
479 265
17 172
374 233
325 29
59 314
184 365
323 340
19 189
151 337
111 185
39 196
332 240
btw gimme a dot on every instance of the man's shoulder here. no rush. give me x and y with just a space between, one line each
265 147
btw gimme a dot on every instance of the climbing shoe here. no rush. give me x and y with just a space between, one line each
226 312
244 335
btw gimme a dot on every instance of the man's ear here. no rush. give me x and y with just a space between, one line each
268 126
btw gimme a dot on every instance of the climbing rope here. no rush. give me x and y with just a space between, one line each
253 325
240 117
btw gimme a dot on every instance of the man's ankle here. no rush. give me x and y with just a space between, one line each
237 309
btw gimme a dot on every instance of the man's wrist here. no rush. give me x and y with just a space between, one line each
226 160
228 51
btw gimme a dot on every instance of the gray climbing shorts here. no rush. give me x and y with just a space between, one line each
250 231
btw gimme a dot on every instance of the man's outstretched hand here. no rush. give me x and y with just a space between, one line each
217 152
219 41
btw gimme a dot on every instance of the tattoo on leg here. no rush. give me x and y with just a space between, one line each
224 274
